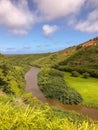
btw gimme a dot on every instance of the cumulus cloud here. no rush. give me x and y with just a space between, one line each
49 30
16 16
51 10
90 24
20 15
58 8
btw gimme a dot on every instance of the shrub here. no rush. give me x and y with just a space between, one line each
53 85
65 68
86 75
78 47
75 74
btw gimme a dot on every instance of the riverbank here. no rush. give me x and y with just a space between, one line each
32 86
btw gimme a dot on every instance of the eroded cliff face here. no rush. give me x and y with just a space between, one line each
92 42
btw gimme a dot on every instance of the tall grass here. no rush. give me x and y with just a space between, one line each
38 118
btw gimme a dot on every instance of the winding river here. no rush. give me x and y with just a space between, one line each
32 86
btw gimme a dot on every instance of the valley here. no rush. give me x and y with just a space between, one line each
45 89
32 86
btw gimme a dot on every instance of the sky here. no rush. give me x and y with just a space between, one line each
41 26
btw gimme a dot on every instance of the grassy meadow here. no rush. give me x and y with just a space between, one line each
87 87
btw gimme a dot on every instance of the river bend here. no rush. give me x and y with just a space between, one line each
32 86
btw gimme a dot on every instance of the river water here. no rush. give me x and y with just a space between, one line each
32 86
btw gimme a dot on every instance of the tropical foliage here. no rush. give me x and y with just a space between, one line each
16 115
53 85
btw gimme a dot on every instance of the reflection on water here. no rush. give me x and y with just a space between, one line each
32 86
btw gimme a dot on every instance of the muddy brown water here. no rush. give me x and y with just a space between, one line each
32 86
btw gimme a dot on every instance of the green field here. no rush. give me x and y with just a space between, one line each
88 88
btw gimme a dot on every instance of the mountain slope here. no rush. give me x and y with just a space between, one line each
54 58
84 59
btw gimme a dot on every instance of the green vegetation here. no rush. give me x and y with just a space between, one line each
11 78
52 84
54 58
25 61
85 59
87 87
75 74
21 111
86 75
16 115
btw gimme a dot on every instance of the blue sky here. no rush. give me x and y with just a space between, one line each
40 26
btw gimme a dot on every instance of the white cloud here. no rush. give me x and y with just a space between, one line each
89 25
92 3
16 16
49 30
52 9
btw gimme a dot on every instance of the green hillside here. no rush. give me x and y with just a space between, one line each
53 59
26 59
83 56
85 59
